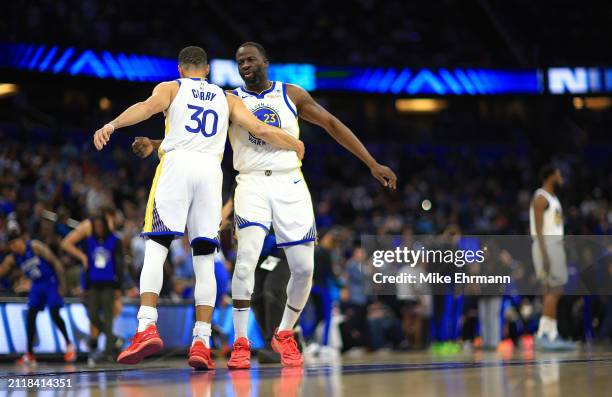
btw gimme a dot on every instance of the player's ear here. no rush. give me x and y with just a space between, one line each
207 70
180 70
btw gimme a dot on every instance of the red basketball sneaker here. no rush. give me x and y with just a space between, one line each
284 344
143 344
27 359
199 356
241 355
70 355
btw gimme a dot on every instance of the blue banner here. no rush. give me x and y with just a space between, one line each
375 80
175 325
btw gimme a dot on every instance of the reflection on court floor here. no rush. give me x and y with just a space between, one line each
571 374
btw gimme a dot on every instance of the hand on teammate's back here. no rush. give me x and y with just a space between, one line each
385 175
102 136
301 150
142 147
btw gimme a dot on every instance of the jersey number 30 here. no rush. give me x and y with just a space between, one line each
202 119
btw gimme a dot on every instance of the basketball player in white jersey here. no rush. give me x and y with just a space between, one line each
186 191
271 190
548 252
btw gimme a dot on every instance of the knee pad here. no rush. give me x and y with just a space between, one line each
205 291
243 281
164 240
203 247
303 272
301 260
250 242
243 271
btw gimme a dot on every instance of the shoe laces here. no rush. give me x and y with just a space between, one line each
242 349
289 346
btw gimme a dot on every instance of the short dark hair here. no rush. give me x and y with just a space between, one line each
192 55
259 47
547 171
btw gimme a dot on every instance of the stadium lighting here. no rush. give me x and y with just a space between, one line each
8 90
593 103
105 104
422 105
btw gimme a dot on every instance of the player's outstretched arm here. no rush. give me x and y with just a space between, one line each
313 112
274 136
69 243
159 101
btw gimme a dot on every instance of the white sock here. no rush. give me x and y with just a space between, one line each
241 322
547 328
290 317
147 315
202 331
553 333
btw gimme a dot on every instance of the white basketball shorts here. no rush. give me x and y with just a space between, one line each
186 192
277 198
557 275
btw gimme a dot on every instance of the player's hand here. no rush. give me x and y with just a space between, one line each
384 175
102 136
142 147
85 262
300 150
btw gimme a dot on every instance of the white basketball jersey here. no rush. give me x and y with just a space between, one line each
553 215
273 107
197 118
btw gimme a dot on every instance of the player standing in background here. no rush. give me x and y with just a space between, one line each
272 191
548 252
186 191
102 275
45 270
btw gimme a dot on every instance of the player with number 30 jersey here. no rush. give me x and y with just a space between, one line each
186 191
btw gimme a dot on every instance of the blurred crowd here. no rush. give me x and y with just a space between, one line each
441 33
443 190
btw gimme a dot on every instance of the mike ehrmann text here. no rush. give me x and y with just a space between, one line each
437 278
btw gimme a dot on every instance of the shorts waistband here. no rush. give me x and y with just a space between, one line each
270 172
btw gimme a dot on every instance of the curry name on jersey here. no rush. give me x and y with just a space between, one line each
274 107
197 118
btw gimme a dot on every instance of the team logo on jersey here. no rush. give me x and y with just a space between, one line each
101 257
268 116
558 216
31 267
